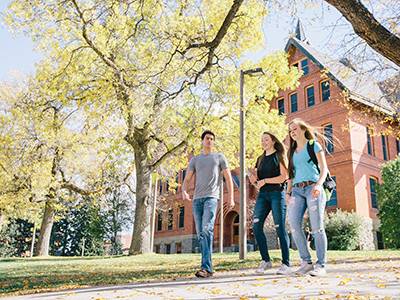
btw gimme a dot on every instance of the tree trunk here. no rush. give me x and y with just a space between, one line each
45 230
141 230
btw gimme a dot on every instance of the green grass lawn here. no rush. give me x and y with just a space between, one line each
30 275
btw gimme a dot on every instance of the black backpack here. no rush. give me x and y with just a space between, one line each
329 183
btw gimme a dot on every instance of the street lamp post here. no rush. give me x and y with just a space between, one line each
243 201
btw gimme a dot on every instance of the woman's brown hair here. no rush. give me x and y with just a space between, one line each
280 150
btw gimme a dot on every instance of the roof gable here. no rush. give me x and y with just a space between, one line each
359 86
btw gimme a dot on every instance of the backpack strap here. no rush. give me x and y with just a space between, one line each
311 153
276 160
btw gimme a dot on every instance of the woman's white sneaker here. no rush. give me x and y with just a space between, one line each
264 265
284 270
305 267
318 271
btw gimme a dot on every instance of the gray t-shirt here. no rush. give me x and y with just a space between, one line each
208 171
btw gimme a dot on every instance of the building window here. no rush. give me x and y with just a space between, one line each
176 182
384 147
178 247
170 219
168 249
379 240
370 144
296 65
160 187
333 200
372 189
236 180
181 217
328 133
398 146
325 90
159 221
304 66
183 175
310 96
281 106
293 102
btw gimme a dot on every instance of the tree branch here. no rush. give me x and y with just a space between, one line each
369 29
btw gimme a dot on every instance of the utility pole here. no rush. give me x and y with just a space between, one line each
242 189
221 218
33 239
153 217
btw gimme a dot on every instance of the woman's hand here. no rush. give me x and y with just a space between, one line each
260 183
253 179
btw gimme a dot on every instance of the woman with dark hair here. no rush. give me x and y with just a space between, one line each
305 191
271 174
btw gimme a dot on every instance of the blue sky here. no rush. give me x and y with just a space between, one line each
16 51
17 54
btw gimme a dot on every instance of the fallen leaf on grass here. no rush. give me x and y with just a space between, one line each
381 285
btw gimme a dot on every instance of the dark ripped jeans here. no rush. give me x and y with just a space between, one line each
267 201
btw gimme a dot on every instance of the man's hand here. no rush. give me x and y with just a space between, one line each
185 196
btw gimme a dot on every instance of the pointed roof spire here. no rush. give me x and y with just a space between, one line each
300 35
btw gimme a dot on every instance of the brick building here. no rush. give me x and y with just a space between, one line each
333 96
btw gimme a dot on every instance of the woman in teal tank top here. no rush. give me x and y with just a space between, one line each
305 192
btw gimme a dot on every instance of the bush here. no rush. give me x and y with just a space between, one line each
389 204
7 240
343 230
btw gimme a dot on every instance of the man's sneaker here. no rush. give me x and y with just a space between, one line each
318 271
304 268
284 270
203 273
264 265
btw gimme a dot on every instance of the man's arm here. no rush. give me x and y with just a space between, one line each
229 183
188 178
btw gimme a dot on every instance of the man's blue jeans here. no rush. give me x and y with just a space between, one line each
267 201
204 211
316 207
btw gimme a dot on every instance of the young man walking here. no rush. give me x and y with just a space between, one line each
207 168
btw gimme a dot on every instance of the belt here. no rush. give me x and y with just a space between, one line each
303 184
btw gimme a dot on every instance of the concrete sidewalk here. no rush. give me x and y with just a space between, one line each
356 280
